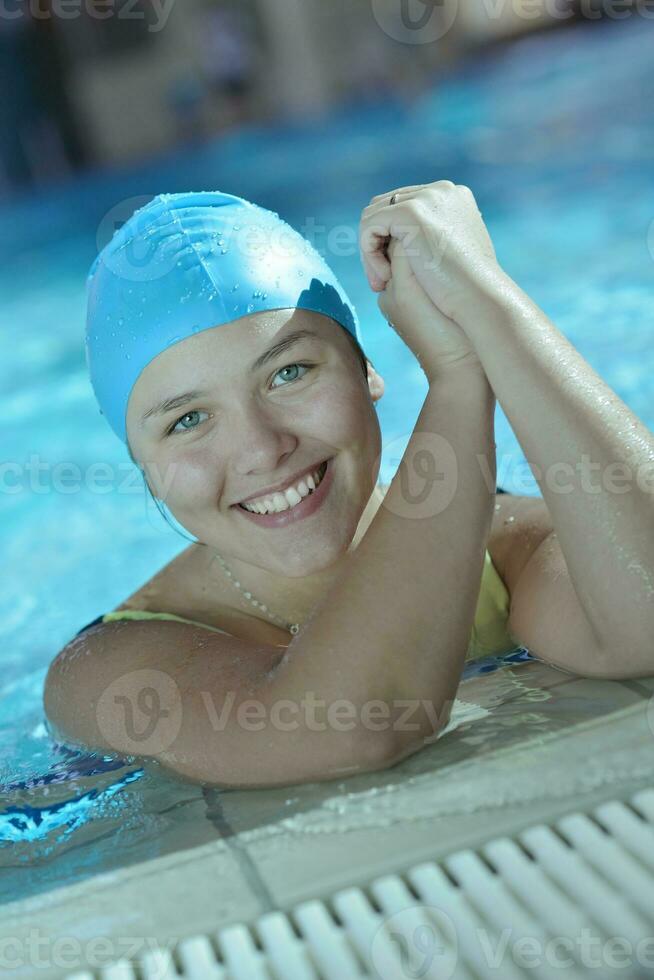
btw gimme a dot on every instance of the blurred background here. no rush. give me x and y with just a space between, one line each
308 108
90 83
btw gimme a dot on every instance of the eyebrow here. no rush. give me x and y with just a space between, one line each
177 401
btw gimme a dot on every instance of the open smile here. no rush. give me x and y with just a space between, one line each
296 503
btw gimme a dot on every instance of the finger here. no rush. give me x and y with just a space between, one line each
373 241
398 190
376 233
385 200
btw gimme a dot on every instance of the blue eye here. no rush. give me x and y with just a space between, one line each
308 367
186 428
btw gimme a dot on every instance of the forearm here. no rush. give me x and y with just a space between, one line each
592 457
396 626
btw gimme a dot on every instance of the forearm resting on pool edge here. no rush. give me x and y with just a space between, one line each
396 626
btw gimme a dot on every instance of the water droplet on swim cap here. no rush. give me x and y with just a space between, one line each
158 281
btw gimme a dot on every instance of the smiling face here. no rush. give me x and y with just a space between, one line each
245 425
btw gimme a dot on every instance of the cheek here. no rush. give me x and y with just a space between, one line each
189 478
338 414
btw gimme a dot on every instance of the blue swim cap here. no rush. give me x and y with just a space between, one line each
186 263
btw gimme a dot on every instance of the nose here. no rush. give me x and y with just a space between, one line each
260 437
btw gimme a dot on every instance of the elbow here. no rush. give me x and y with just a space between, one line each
622 660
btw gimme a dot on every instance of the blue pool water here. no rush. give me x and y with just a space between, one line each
556 138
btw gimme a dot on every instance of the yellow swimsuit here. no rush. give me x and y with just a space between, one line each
490 633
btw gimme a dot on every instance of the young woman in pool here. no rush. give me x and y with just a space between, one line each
330 636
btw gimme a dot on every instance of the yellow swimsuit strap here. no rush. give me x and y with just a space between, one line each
145 614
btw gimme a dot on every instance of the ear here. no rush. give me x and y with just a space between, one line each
375 383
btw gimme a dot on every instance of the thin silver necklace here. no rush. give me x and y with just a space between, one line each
291 627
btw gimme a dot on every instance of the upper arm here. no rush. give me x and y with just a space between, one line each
519 526
199 703
545 613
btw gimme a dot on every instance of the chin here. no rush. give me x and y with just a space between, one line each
302 565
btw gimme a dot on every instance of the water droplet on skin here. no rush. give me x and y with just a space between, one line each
509 520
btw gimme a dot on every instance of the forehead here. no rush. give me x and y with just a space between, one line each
223 352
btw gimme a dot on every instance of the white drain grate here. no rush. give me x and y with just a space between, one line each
515 908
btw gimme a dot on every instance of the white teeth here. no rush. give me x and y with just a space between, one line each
288 498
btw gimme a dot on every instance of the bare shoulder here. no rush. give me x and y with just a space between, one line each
519 525
109 663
